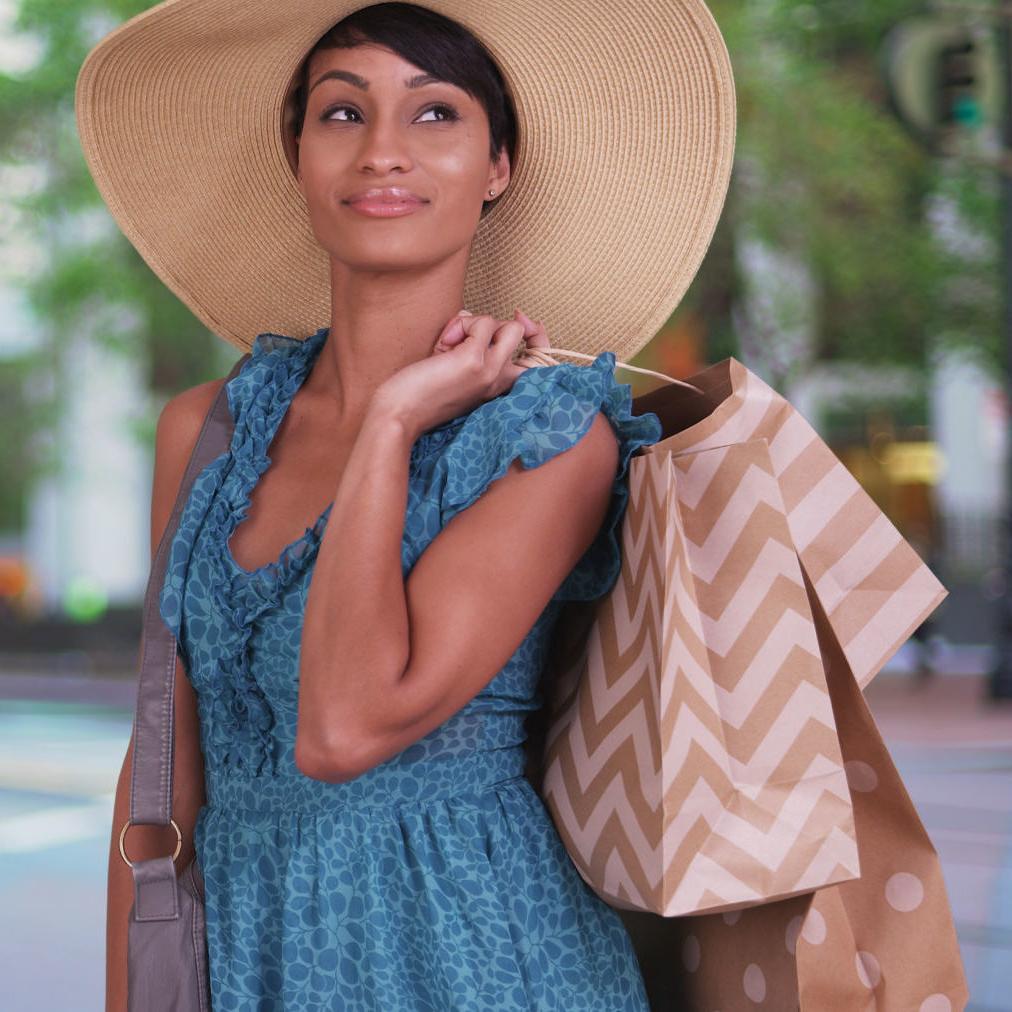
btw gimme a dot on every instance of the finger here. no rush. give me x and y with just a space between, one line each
508 331
529 325
509 374
534 337
453 332
534 331
508 336
480 331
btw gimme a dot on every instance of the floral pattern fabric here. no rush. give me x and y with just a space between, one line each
435 881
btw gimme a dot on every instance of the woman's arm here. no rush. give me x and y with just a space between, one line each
383 662
178 426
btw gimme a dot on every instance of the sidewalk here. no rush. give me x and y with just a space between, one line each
954 753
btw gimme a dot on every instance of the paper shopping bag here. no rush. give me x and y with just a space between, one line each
691 761
884 940
882 943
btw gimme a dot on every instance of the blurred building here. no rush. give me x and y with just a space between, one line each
78 540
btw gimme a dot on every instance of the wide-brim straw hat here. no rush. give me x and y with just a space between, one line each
626 128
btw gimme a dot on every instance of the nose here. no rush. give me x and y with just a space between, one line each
384 147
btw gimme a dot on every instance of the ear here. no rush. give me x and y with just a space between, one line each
499 174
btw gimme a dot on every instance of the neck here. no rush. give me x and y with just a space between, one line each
381 321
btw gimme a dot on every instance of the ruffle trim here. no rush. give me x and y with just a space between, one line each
547 410
170 599
259 397
240 718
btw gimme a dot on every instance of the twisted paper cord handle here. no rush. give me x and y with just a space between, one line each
543 356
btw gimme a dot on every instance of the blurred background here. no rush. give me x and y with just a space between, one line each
861 267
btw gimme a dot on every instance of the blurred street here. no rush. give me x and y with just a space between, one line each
59 762
58 768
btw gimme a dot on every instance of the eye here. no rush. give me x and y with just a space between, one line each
449 113
327 113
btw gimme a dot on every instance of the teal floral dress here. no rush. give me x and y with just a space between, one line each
435 881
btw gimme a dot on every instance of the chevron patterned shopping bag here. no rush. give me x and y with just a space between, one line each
691 761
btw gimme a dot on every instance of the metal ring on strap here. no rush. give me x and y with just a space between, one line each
128 824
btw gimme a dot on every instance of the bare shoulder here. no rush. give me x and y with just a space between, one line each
600 442
176 434
182 416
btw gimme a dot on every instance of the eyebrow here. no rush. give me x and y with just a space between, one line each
360 82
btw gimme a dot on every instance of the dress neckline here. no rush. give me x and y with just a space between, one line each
291 362
294 362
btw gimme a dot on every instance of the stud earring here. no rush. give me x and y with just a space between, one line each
491 193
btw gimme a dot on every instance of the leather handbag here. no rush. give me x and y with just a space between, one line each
167 965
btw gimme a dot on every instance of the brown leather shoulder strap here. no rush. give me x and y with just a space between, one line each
154 724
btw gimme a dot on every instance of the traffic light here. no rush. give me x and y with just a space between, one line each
958 85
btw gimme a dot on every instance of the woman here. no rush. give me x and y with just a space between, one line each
351 702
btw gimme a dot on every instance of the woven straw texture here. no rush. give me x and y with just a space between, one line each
626 124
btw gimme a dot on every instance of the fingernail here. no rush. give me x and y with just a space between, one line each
465 312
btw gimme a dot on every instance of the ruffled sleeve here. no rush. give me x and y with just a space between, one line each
547 410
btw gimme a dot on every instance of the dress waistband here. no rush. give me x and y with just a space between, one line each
389 785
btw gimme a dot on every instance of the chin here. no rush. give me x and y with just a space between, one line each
414 253
362 263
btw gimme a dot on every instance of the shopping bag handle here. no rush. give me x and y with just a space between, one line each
543 356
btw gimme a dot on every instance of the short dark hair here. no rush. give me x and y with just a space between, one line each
435 43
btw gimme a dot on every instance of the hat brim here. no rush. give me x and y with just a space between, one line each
626 130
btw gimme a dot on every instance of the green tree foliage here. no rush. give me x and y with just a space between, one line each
92 271
842 184
91 278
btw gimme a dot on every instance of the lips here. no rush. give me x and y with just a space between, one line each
395 196
385 202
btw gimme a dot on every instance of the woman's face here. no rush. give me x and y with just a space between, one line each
369 128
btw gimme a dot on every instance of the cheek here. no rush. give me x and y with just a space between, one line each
461 176
319 161
310 171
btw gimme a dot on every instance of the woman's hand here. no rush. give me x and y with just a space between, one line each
471 362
